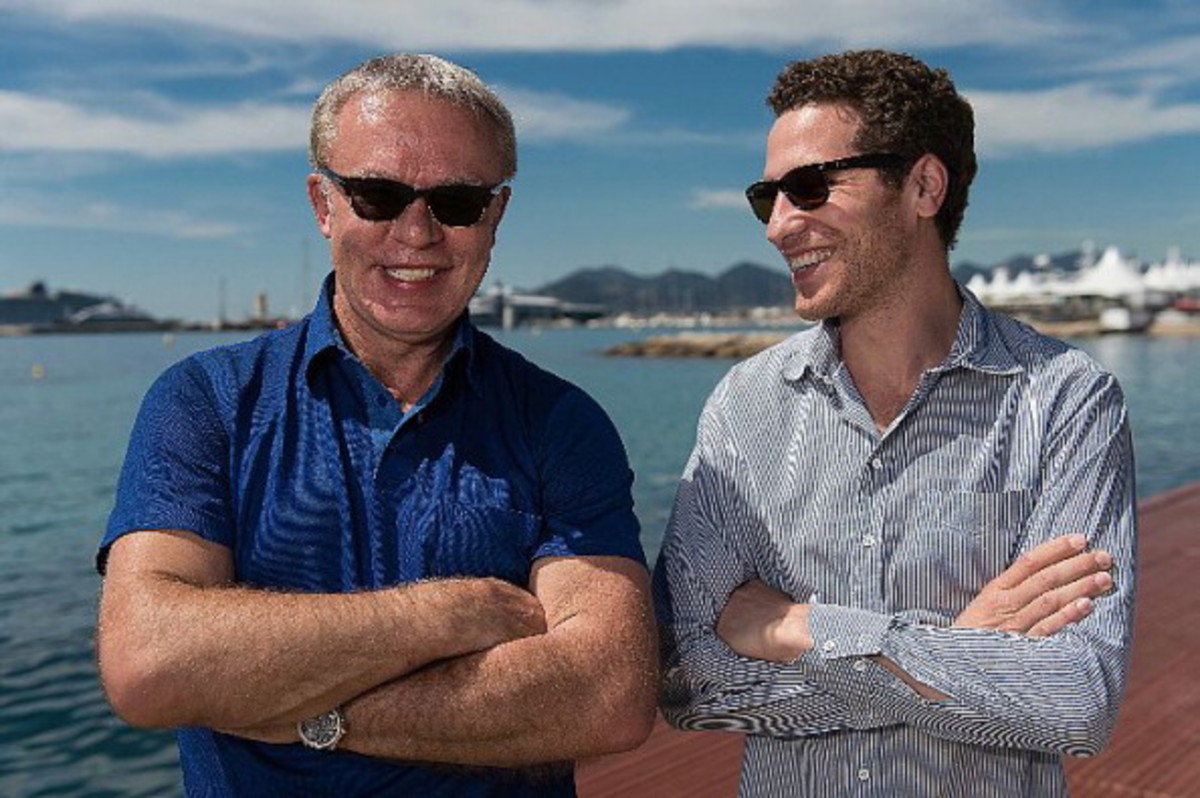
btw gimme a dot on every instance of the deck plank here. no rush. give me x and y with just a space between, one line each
1153 752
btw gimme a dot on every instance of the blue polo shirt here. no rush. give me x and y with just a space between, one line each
287 451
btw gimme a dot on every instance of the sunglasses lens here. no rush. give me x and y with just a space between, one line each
459 206
379 200
806 188
762 200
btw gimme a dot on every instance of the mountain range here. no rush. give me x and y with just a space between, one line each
742 286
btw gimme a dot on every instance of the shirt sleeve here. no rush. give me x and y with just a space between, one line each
175 473
586 484
1057 693
704 558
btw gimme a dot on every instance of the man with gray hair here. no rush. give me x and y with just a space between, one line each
377 553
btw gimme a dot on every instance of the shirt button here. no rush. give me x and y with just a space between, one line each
869 540
828 646
864 774
876 463
860 665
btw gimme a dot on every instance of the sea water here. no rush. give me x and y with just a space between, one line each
69 401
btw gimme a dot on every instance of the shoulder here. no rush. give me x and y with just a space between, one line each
551 410
1061 378
768 371
224 374
497 368
1044 356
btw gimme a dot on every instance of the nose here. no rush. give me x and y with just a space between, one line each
786 220
416 227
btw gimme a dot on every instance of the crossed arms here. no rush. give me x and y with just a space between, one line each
462 671
1035 660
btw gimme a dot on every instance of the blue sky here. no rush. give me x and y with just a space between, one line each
156 150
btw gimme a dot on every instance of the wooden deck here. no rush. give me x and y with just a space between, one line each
1154 753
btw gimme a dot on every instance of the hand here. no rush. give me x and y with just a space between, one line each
480 613
761 622
1045 590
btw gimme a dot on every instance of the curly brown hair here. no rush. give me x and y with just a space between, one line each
904 106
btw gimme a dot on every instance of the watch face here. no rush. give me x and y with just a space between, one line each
322 731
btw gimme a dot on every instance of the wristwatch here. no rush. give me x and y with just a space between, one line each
322 732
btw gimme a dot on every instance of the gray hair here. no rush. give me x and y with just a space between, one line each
433 76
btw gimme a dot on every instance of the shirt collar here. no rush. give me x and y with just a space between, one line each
977 345
324 336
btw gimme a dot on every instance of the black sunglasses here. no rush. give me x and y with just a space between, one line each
807 187
377 199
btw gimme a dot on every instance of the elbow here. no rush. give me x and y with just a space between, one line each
626 717
1086 738
134 692
141 688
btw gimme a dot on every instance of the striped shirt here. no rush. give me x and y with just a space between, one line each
1013 440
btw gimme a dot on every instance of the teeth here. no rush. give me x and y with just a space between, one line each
411 275
806 260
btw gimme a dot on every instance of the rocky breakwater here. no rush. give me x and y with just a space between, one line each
718 344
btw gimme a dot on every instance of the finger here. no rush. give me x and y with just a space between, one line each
1074 612
1039 558
1058 575
1055 602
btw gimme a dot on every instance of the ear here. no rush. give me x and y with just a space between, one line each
320 203
930 180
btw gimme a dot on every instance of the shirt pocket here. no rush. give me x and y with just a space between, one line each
470 540
987 528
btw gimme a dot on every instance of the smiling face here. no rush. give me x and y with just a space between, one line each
405 281
853 255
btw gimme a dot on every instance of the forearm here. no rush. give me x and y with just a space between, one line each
586 687
981 686
710 687
513 706
177 650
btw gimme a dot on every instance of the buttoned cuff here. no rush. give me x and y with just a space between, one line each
840 632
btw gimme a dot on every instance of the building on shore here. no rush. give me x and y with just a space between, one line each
499 306
1118 293
36 309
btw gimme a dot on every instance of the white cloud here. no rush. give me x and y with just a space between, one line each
41 124
47 212
33 123
541 116
540 25
1074 117
718 198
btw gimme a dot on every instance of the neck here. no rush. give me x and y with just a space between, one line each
887 353
407 368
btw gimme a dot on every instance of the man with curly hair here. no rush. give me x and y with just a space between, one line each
901 555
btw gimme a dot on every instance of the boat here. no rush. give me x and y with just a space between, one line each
1125 319
502 307
36 309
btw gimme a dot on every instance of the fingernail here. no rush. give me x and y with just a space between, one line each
1104 559
1084 605
1078 541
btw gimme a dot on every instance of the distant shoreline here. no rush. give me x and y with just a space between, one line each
739 345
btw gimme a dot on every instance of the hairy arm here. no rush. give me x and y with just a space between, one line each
584 688
180 644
